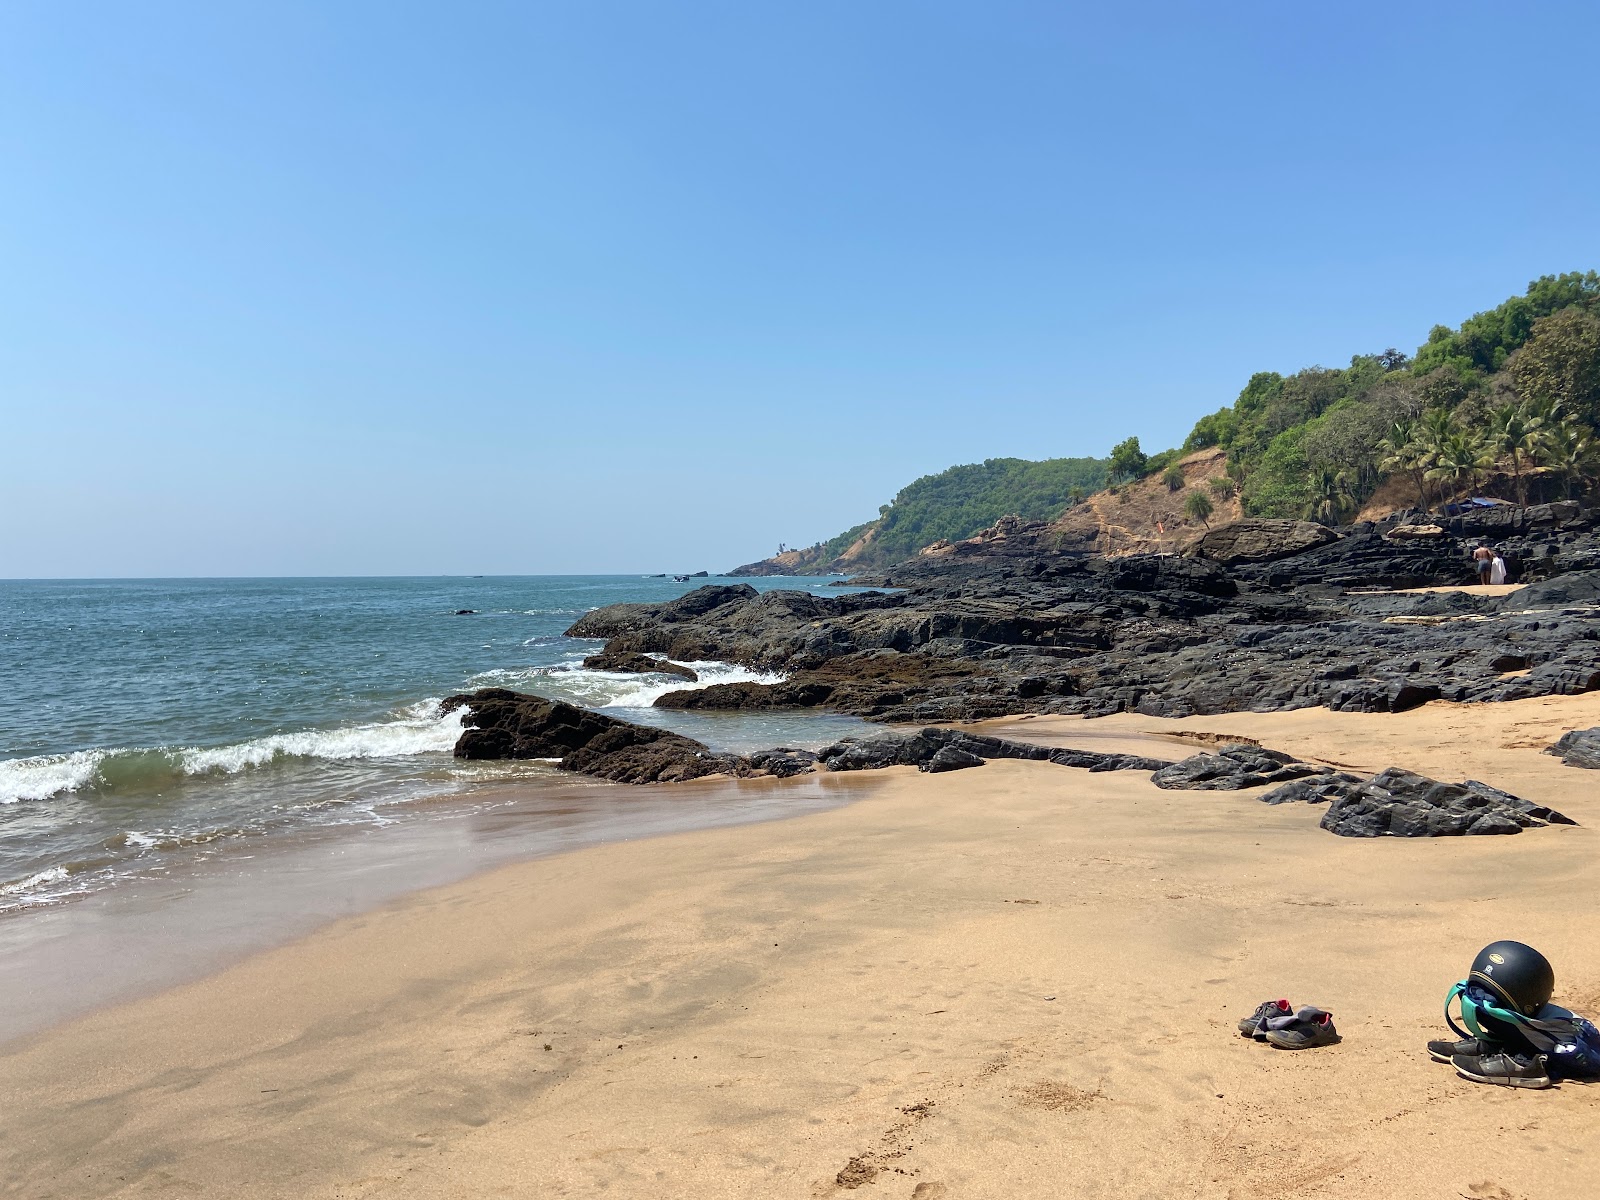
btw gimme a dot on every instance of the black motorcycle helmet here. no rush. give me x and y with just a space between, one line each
1519 975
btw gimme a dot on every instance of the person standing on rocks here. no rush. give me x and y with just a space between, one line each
1497 569
1483 560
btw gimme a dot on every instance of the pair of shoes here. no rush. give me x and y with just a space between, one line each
1446 1049
1491 1062
1279 1024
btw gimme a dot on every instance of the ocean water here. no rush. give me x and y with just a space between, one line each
149 724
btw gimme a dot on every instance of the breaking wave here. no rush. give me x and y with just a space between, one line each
578 684
418 729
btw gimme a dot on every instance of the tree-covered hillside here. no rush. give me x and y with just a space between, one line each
957 503
1508 402
1511 390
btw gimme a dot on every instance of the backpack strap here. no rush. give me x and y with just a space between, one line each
1459 992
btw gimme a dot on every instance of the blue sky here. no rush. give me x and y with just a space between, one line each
393 288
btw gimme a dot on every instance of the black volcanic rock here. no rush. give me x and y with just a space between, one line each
1258 539
1233 767
921 748
1015 627
639 664
506 724
1580 748
1401 803
948 758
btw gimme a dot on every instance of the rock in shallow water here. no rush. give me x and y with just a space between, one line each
507 724
639 664
1580 748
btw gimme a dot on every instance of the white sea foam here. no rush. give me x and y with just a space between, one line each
615 689
421 730
47 775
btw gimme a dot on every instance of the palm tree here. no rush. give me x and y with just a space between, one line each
1572 450
1512 430
1199 507
1330 496
1462 455
1402 450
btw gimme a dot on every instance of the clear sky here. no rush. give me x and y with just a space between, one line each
396 288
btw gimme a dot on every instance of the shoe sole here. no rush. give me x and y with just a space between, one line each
1272 1041
1444 1058
1506 1081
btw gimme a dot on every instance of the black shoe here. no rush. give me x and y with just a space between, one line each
1503 1068
1445 1049
1251 1026
1307 1028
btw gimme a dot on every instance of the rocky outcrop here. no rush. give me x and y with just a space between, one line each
639 664
1233 767
1580 748
506 724
1401 803
922 748
1258 539
1013 626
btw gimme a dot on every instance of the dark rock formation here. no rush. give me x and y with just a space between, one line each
1314 789
949 758
1404 804
1580 748
1256 539
782 762
1013 625
1233 767
639 664
506 724
921 748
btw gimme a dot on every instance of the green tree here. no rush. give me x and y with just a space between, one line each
1402 450
1512 431
1330 496
1573 451
1561 362
1198 507
1222 487
1127 460
1173 478
1462 456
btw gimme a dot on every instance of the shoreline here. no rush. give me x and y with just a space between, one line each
191 920
857 995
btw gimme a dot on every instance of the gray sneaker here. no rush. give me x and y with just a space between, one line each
1503 1068
1251 1026
1307 1028
1444 1050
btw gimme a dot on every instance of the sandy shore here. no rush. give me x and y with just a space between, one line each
1019 980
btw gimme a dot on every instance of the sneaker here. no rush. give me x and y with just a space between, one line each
1445 1049
1504 1068
1307 1028
1251 1026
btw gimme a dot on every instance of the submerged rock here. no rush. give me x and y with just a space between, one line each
639 664
1580 748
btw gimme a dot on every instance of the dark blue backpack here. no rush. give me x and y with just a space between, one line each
1570 1044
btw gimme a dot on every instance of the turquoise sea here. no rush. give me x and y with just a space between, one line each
150 724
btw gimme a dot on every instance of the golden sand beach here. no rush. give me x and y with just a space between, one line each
1015 981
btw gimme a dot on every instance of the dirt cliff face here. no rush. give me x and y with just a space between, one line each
1148 517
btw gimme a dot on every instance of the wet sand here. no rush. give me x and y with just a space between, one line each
1019 980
